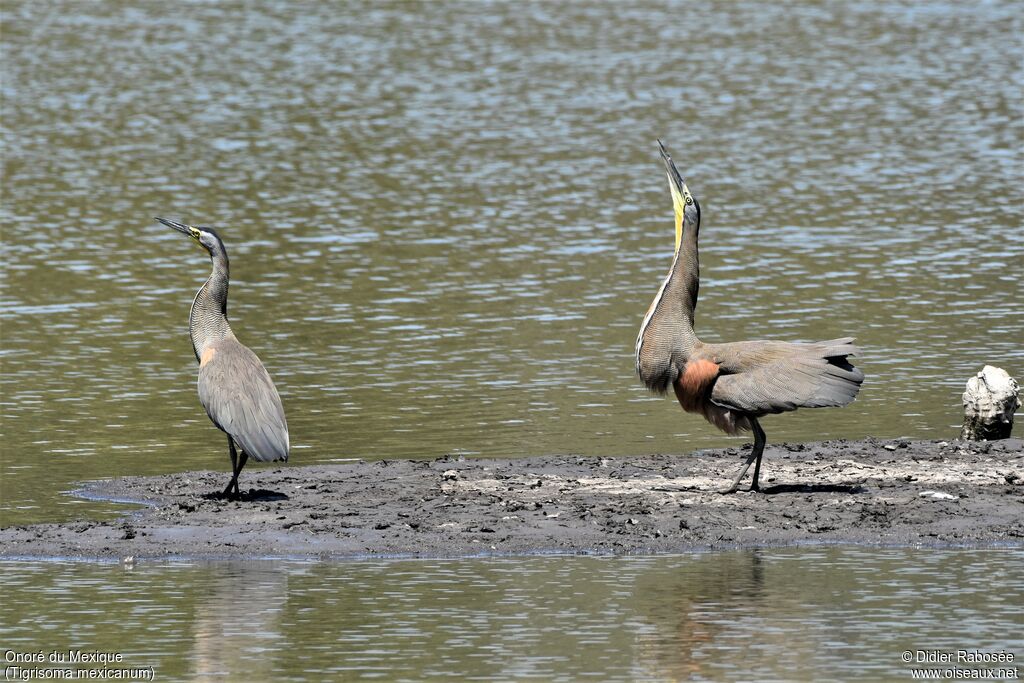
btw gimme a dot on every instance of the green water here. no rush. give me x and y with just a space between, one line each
814 614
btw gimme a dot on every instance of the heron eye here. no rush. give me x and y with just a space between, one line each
689 200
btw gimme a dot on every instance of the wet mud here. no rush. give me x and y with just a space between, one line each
868 492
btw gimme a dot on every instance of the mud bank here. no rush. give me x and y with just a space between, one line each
874 492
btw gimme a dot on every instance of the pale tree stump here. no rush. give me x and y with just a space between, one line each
989 404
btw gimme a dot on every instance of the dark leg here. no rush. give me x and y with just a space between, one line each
755 454
236 468
736 480
759 441
241 464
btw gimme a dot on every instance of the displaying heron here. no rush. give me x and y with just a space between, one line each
732 385
234 387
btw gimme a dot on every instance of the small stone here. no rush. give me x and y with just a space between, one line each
937 495
450 475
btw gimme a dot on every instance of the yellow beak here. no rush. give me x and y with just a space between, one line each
678 204
680 193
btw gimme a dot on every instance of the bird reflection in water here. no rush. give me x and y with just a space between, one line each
238 622
707 619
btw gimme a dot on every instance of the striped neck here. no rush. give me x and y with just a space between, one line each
676 301
208 319
672 307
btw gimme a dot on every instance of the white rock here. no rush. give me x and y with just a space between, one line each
937 495
989 404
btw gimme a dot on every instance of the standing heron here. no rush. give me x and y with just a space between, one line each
734 384
234 387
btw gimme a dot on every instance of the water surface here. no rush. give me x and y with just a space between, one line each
821 614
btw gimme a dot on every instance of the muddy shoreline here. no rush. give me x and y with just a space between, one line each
894 492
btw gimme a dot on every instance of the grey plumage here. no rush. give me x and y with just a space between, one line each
732 384
253 416
234 388
799 376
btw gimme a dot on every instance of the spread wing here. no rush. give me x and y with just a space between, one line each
241 399
797 376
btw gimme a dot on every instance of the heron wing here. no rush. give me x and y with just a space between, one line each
241 399
792 376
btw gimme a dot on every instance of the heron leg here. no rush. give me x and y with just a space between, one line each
755 454
236 468
743 470
759 441
241 464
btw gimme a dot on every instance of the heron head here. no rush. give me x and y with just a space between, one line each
686 207
207 237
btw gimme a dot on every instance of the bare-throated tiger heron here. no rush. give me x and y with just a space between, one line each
234 387
732 385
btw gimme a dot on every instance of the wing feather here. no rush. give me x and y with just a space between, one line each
791 376
241 399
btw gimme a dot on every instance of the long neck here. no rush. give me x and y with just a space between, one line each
684 281
208 319
667 341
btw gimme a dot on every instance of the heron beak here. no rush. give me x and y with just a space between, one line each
185 229
681 196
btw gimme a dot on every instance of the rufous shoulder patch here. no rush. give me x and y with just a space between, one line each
208 353
692 386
